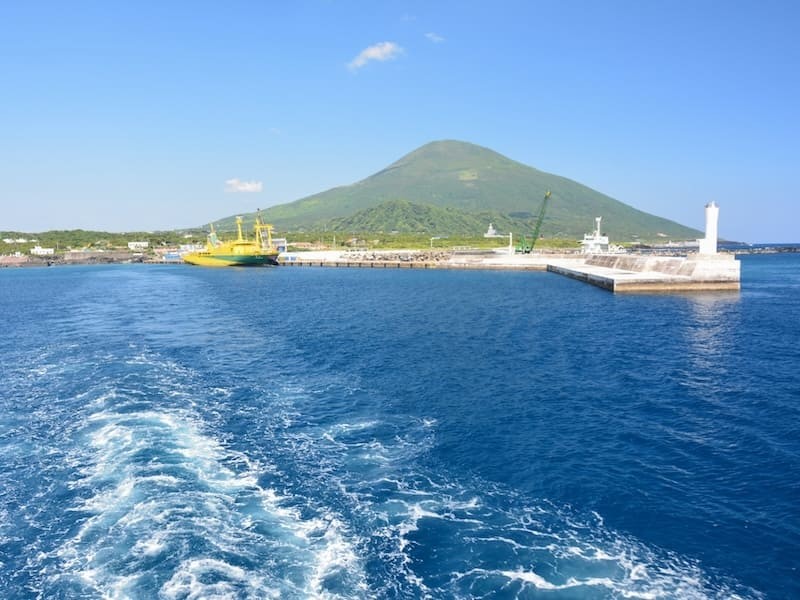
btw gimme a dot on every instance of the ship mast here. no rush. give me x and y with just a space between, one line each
239 228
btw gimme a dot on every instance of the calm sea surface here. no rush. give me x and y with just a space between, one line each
179 432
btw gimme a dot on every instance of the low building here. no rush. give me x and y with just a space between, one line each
185 248
168 254
492 232
39 251
138 246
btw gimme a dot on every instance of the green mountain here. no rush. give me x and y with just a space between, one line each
468 185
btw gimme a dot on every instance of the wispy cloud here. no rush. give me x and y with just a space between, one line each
380 52
234 185
434 37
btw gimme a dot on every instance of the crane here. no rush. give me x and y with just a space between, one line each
524 247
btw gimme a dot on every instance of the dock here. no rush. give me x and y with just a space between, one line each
619 273
409 265
415 259
625 273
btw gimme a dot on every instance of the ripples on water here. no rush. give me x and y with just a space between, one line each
188 433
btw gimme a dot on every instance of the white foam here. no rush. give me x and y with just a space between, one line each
503 540
358 426
190 486
164 480
336 556
187 583
110 498
530 577
150 546
470 504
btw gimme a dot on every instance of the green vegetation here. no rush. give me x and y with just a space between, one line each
80 239
383 240
355 236
456 187
407 217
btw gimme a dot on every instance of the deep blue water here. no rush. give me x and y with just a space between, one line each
180 432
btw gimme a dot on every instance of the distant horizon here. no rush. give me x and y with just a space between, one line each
123 118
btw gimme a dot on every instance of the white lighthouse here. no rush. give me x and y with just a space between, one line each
708 245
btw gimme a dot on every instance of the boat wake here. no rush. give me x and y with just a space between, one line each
161 507
178 486
437 537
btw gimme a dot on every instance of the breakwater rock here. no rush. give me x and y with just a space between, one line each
399 256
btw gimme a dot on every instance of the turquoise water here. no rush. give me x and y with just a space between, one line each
178 432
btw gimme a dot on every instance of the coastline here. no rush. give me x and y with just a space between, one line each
409 258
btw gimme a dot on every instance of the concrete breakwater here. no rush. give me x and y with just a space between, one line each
614 272
625 273
416 259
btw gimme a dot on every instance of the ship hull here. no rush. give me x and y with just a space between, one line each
206 259
240 252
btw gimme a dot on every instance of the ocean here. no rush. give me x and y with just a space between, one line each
177 432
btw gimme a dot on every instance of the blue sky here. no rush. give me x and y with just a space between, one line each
159 115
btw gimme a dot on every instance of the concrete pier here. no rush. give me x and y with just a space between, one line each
613 272
627 273
474 263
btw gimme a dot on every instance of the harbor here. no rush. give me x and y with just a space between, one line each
707 269
597 261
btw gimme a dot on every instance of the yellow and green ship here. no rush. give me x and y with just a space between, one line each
240 252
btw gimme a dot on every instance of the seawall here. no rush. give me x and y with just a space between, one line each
629 273
614 272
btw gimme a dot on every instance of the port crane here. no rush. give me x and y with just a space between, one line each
525 247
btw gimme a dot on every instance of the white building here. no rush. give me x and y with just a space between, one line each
492 232
138 245
186 248
39 251
595 243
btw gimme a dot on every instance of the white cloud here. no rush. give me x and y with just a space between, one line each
382 51
435 38
234 185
